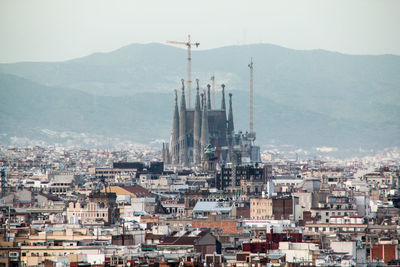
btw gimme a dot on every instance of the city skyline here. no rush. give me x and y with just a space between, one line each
247 143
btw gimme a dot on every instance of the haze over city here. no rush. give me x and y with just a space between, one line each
198 134
303 99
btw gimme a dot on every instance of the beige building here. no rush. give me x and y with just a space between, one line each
261 208
36 255
116 174
156 183
382 178
91 213
60 184
54 244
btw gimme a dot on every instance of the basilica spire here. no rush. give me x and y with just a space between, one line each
223 105
204 127
197 128
230 126
175 133
230 116
208 97
225 126
183 160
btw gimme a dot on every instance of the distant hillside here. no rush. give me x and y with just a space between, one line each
28 107
363 88
304 98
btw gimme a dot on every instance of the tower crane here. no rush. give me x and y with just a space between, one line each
189 45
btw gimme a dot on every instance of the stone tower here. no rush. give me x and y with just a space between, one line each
231 128
175 133
183 158
197 128
204 127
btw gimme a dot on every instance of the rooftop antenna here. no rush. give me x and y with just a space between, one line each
189 45
252 135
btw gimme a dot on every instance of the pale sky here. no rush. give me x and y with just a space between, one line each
52 30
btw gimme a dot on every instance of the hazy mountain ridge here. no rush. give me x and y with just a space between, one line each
301 97
28 108
317 80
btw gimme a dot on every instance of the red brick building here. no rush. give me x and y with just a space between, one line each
282 208
271 242
227 226
386 252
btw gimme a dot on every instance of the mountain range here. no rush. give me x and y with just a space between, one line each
302 98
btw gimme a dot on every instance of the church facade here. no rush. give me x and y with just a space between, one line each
193 130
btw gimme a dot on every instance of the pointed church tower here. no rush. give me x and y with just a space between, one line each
175 133
231 129
197 128
223 106
223 155
208 97
165 153
201 102
204 127
183 159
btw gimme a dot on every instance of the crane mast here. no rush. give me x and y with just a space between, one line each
189 72
252 135
189 45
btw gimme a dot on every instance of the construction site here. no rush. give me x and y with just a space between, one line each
204 132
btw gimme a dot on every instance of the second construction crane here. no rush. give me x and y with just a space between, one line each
252 134
189 45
